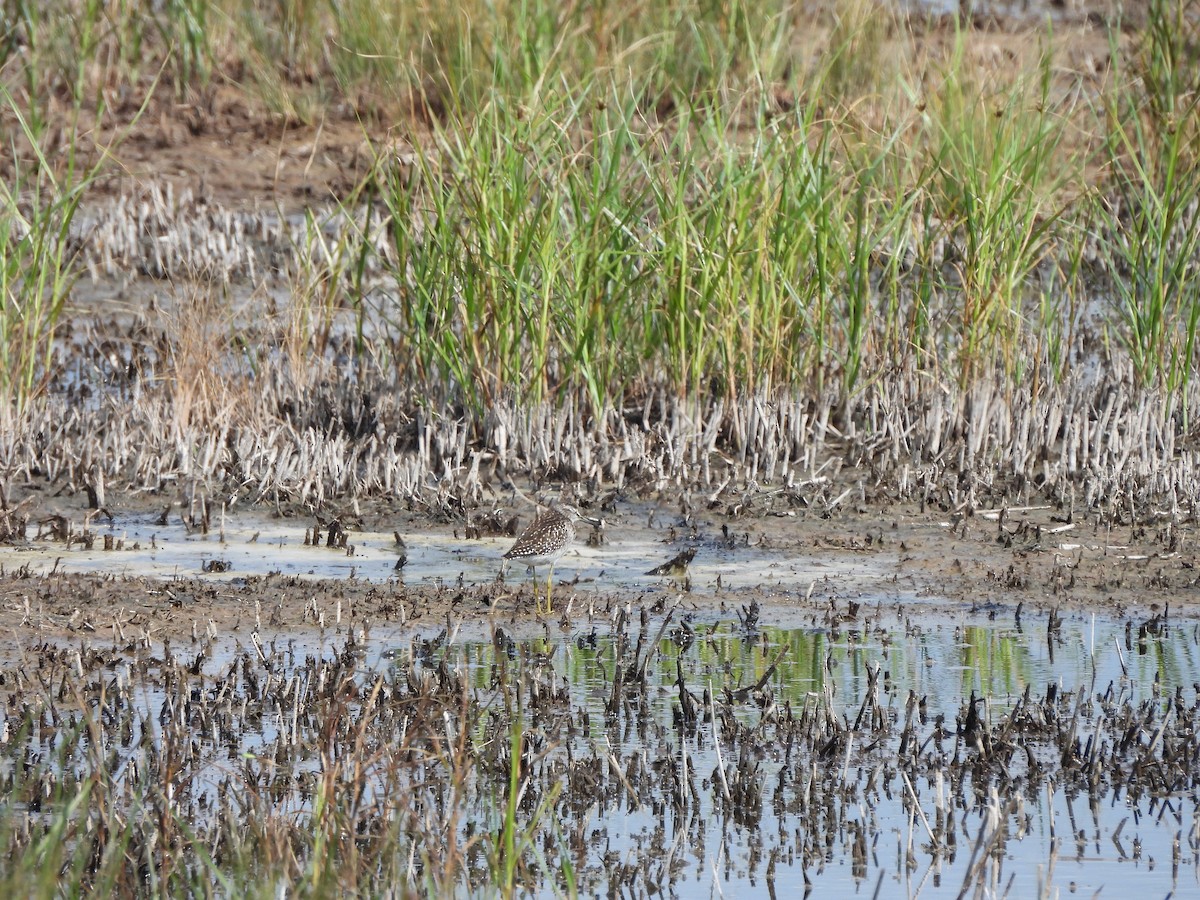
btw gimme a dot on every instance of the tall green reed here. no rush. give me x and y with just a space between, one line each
37 264
1148 208
994 181
572 245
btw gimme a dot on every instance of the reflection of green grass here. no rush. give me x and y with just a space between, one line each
742 661
994 663
720 657
1167 660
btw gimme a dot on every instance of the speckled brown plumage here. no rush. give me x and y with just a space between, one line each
548 538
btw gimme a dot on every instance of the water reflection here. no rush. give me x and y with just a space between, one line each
847 817
888 753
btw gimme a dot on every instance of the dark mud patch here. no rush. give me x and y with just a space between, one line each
172 581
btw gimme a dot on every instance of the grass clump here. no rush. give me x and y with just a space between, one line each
1149 210
37 267
994 178
578 243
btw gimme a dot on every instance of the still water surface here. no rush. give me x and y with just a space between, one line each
1137 832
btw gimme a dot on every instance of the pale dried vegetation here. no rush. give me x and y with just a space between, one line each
868 247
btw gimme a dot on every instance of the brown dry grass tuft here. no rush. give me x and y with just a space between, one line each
200 353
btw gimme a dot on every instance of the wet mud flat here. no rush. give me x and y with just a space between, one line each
70 571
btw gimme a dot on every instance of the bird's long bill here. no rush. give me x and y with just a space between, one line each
592 520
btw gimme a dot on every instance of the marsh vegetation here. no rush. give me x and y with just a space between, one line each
741 259
767 234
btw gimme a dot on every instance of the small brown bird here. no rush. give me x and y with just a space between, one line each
548 538
677 565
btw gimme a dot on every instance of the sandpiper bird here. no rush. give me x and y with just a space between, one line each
544 541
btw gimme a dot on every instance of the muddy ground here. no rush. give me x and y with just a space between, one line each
1025 562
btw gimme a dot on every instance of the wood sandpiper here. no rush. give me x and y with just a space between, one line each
548 538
